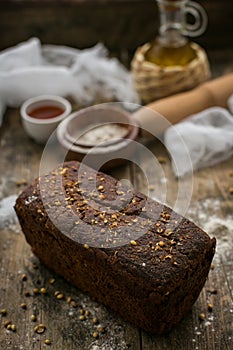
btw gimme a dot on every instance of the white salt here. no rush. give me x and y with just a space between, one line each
30 199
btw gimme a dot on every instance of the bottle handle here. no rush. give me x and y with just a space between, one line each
201 20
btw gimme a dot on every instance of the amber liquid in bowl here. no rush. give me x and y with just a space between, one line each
46 112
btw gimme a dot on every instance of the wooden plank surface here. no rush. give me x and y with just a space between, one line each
211 207
19 160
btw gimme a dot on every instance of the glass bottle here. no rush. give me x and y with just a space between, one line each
171 47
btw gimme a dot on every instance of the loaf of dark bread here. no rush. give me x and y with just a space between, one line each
131 253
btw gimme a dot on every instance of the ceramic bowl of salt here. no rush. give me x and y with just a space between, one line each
101 136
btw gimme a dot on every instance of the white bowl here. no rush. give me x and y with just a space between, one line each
41 129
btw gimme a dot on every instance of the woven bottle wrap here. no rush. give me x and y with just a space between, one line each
153 82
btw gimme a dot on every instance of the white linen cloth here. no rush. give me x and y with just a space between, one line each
30 69
7 213
201 140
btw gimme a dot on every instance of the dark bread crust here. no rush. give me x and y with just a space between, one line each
151 280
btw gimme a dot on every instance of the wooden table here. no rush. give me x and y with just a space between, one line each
211 207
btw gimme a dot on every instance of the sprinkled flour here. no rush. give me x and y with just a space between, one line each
207 215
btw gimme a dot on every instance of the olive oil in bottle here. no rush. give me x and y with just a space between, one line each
172 63
171 47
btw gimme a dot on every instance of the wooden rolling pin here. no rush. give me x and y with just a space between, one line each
177 107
